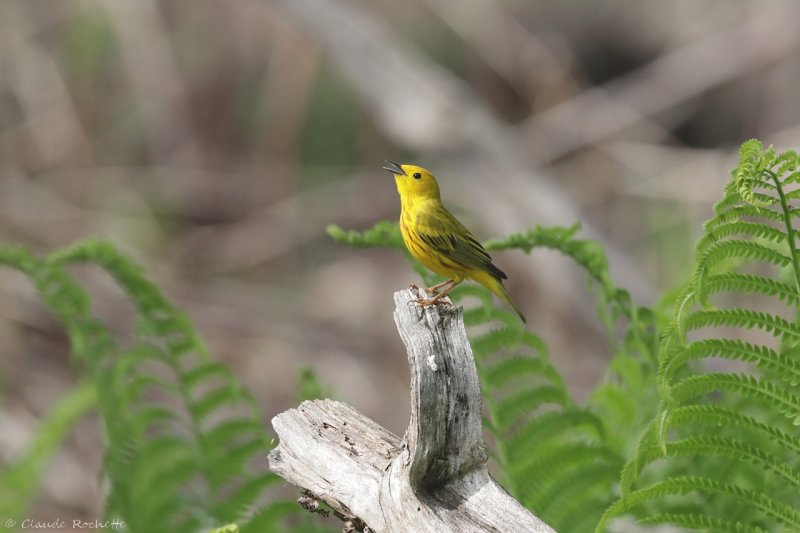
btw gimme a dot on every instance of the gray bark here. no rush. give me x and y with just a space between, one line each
433 479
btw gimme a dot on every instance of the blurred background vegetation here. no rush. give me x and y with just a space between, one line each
214 141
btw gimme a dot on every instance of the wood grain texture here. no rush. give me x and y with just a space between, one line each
435 478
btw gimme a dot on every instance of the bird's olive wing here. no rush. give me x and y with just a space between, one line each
449 237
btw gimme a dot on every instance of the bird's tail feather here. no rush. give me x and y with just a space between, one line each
497 287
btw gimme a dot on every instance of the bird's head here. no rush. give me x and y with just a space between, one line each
413 182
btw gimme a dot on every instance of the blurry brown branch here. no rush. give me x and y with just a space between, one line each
423 107
50 119
505 44
283 227
154 76
669 81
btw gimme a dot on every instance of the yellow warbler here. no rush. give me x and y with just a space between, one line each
438 240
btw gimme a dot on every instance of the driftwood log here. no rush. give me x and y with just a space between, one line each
435 478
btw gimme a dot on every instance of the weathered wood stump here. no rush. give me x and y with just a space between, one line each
435 478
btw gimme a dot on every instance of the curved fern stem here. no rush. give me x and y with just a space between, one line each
787 218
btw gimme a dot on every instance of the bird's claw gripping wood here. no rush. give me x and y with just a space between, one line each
437 296
428 302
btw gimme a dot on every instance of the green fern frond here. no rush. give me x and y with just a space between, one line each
700 521
536 424
736 450
719 251
563 476
173 464
682 485
743 318
241 501
714 446
715 417
751 284
527 369
731 210
210 373
740 227
508 338
577 491
737 420
786 163
557 237
734 350
651 445
588 254
753 388
481 315
515 406
555 461
384 234
233 431
557 425
381 235
748 175
584 517
614 406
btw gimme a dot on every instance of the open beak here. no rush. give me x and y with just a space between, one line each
394 168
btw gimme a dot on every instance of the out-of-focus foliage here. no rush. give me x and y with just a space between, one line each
20 480
723 451
182 433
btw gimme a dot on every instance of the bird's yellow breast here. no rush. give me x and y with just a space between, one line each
431 258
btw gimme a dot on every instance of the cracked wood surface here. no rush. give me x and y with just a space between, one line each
433 479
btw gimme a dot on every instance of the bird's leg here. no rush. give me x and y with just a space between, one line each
435 289
437 300
444 293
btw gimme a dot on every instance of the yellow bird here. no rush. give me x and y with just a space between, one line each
438 240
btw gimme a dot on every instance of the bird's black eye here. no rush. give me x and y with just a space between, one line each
417 175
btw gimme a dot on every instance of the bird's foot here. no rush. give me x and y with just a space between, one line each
427 302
